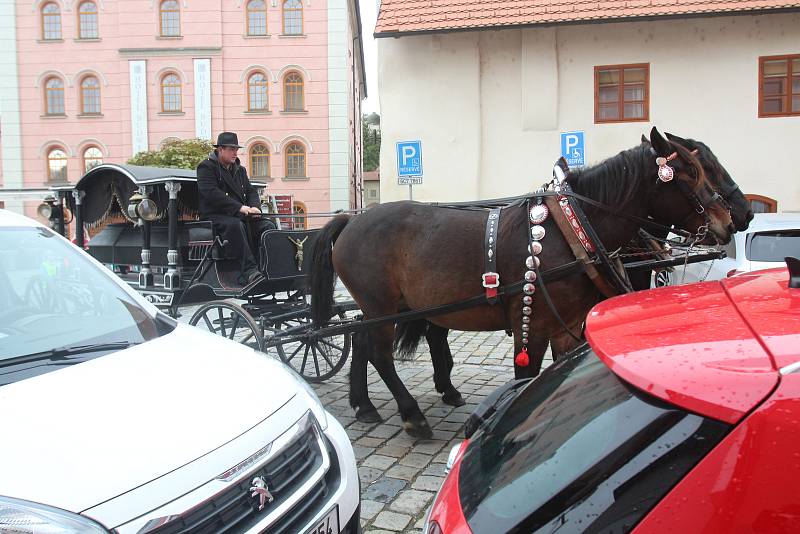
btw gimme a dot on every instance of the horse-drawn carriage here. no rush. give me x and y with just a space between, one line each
142 223
415 265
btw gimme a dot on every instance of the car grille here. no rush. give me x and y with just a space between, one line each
235 511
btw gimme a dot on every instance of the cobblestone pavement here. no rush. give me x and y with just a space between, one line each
399 474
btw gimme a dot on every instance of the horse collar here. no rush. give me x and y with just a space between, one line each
665 172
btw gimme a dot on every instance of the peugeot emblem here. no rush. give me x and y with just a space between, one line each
261 491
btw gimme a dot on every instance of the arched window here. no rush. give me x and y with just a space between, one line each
293 92
170 93
54 96
293 17
51 22
299 221
295 161
87 21
257 98
92 157
90 96
256 17
170 18
57 165
762 204
259 161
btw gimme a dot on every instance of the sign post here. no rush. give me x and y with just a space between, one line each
573 148
409 164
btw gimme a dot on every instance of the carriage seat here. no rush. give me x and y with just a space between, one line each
201 236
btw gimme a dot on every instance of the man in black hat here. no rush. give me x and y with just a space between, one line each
231 203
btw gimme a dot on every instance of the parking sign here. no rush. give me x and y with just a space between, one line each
573 148
409 162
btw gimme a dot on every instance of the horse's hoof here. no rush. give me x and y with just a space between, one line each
453 399
369 416
419 429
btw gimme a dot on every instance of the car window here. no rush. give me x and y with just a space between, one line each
578 449
774 246
51 296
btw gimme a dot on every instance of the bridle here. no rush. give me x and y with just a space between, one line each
700 200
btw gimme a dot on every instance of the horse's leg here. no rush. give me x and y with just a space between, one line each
562 342
414 421
359 394
442 360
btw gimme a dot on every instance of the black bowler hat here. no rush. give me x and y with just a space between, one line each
227 139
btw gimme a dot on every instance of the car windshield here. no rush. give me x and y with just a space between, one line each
774 246
56 306
578 449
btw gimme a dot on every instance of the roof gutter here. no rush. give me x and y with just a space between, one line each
586 22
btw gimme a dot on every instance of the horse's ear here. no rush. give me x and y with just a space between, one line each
645 139
675 139
660 145
563 164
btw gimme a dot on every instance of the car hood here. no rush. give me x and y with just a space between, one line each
687 345
76 437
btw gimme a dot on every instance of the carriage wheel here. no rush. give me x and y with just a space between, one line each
39 295
662 278
316 359
228 319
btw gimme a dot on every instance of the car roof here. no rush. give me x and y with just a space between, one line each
713 348
9 218
773 221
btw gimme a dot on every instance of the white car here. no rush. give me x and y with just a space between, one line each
766 242
117 418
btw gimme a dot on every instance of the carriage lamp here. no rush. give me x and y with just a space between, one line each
45 209
140 207
148 210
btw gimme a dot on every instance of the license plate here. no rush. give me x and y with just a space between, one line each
328 524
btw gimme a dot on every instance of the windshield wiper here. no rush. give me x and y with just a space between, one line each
65 353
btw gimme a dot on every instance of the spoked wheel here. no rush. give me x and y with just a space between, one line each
663 278
227 319
315 358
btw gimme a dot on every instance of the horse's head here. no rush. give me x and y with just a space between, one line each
720 179
683 196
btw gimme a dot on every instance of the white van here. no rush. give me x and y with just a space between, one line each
117 418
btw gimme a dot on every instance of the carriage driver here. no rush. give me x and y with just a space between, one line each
231 203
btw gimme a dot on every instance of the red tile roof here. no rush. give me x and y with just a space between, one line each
412 16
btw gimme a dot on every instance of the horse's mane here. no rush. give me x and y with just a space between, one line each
616 180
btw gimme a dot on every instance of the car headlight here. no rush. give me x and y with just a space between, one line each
23 517
316 405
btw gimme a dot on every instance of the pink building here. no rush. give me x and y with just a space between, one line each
89 81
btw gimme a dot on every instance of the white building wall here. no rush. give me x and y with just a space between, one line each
489 106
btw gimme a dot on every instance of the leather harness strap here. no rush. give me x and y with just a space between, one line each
577 247
490 279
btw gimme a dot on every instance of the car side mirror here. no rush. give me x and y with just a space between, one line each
794 271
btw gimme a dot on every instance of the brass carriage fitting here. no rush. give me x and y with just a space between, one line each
133 203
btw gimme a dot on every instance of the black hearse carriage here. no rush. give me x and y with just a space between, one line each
144 226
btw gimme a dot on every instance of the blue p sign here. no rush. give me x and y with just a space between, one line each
409 158
572 148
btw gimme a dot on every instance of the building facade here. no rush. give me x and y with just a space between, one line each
490 91
89 81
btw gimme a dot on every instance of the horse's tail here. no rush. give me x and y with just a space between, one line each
407 336
322 273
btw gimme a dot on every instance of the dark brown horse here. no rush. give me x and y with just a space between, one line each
406 256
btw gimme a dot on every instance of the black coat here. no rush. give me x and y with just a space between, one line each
222 191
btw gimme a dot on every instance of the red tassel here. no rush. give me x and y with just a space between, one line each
521 359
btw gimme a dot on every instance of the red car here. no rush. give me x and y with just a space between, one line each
680 414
